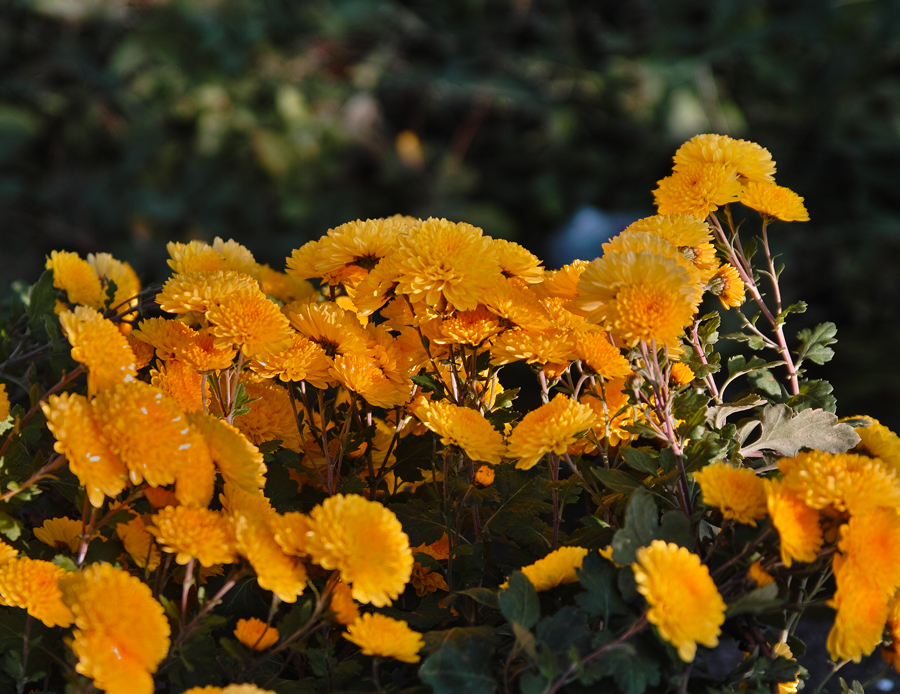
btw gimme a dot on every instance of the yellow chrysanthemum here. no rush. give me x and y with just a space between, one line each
239 462
384 637
283 287
484 476
255 634
517 261
304 360
463 427
784 651
728 286
469 327
198 256
445 265
738 492
7 553
99 469
4 403
891 653
859 623
563 283
638 241
173 339
345 610
846 481
271 416
334 329
139 543
599 355
347 253
552 427
556 569
197 291
775 202
759 575
194 533
870 551
682 374
182 383
365 542
76 278
879 442
613 414
751 161
98 344
291 532
128 286
33 585
195 479
697 190
551 346
143 352
690 235
149 432
639 296
684 603
60 533
797 524
360 375
247 318
514 301
121 634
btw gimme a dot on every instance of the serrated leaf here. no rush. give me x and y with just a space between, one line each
786 434
485 596
41 299
65 562
759 600
765 383
641 459
814 343
597 576
565 630
9 526
617 481
460 665
719 413
641 523
631 672
519 601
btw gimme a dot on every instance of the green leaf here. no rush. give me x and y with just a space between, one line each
413 454
718 414
760 600
42 299
813 394
65 562
460 665
9 526
597 576
814 343
485 596
618 481
765 383
799 307
429 384
641 522
566 629
631 672
642 459
676 527
786 434
519 601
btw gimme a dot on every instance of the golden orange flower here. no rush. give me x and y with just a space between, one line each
870 552
556 569
121 633
256 634
423 579
60 533
469 327
78 437
563 283
98 344
550 346
638 241
360 375
879 442
76 278
194 533
484 476
736 491
684 603
4 403
128 286
143 352
697 189
613 414
334 329
752 162
139 543
283 287
517 261
382 636
33 585
775 202
182 383
759 575
891 653
682 374
198 256
345 610
304 360
197 291
552 427
728 286
598 354
291 531
463 427
639 296
797 524
7 553
365 542
247 318
862 613
514 301
239 462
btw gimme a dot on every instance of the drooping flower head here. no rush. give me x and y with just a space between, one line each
463 427
60 533
98 344
798 525
879 442
684 603
365 542
194 533
552 427
76 278
239 462
246 318
728 286
775 202
33 585
378 635
139 543
738 492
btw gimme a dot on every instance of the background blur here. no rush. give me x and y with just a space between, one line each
127 124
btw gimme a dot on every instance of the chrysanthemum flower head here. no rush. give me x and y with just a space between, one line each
120 273
552 427
60 533
471 328
361 375
336 330
444 265
728 286
303 360
891 653
78 437
613 414
484 476
870 551
33 585
365 542
7 553
556 569
562 283
637 241
697 189
283 287
798 525
100 346
682 374
198 256
738 492
182 383
291 530
248 319
197 291
239 462
255 634
139 543
4 403
690 235
759 575
378 635
121 634
271 416
76 278
345 610
598 354
194 533
639 296
862 613
517 261
684 603
514 301
879 442
550 346
775 202
752 162
463 427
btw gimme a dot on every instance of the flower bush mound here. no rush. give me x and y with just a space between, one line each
242 481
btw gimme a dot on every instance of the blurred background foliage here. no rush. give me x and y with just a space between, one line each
127 124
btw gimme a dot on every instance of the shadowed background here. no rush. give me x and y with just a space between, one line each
127 124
